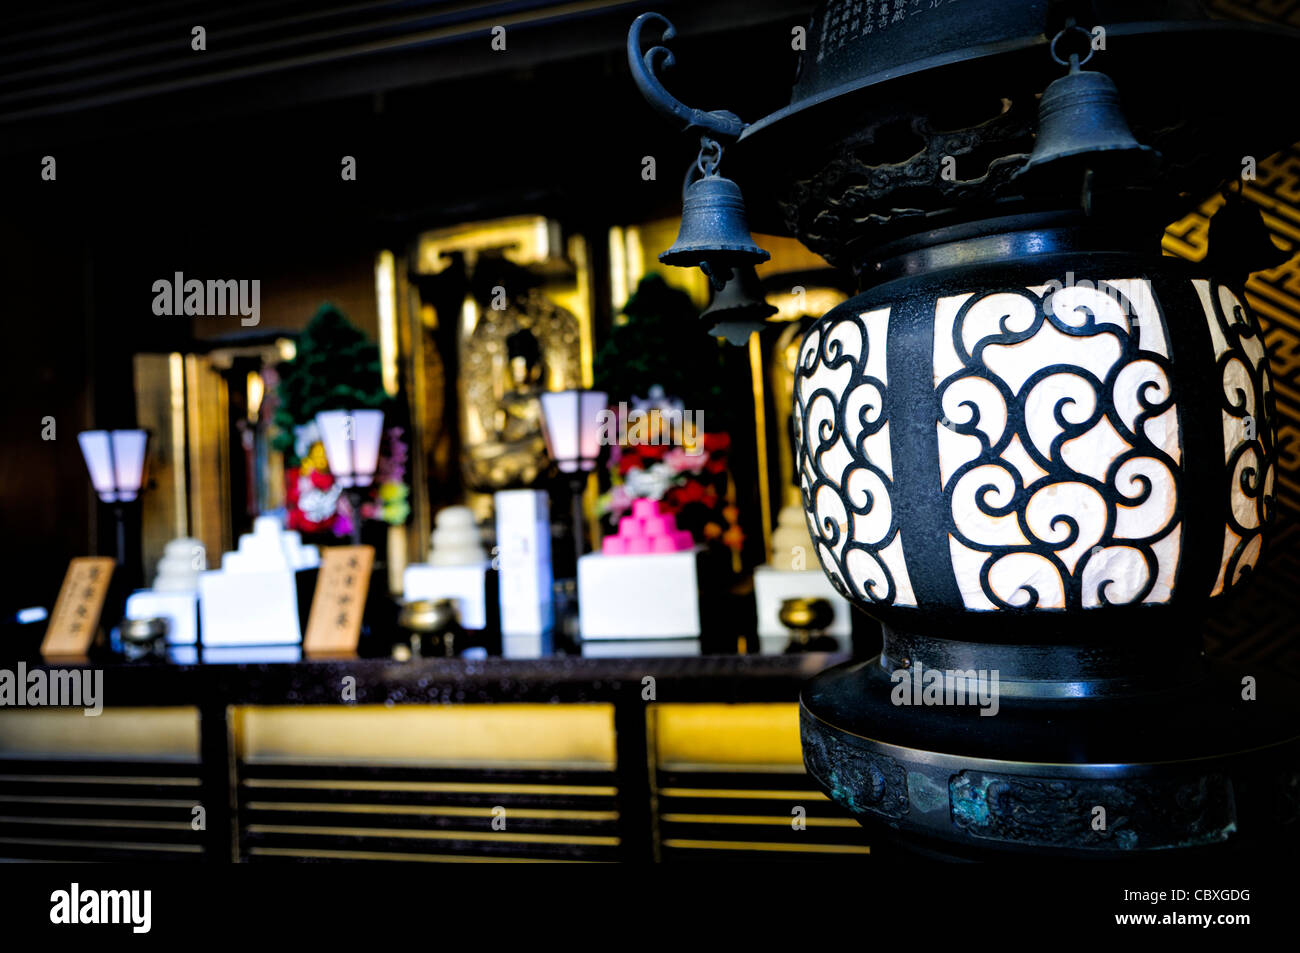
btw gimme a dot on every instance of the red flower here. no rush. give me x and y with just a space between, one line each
321 480
689 492
714 442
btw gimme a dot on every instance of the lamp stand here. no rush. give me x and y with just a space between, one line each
577 487
128 572
355 495
119 521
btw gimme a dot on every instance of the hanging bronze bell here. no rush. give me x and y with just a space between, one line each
1080 123
714 228
739 308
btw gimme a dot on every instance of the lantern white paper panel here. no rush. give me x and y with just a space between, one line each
840 396
1246 408
1058 445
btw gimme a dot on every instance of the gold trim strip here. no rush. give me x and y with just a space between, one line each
96 801
755 819
760 434
697 767
386 309
415 809
441 763
95 779
757 795
748 845
433 835
431 786
176 442
98 822
115 845
400 855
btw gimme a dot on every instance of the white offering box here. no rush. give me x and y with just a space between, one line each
524 564
651 596
253 598
180 609
467 585
774 586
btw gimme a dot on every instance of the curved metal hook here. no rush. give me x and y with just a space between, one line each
644 66
702 165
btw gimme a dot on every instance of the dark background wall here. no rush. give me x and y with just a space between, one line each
225 163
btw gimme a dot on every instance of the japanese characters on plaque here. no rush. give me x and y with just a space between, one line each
848 20
76 612
334 625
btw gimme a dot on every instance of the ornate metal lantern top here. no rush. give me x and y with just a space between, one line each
901 123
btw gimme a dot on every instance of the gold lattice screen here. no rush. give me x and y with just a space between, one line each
1274 295
1264 626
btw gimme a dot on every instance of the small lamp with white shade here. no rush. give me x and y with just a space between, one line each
351 439
572 421
571 424
115 460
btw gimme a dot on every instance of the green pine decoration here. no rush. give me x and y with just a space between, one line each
662 343
336 368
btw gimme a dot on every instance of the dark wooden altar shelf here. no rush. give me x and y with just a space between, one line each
709 678
682 822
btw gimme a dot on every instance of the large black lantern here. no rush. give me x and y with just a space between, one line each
1037 451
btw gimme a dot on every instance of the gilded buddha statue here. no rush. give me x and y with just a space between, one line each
513 453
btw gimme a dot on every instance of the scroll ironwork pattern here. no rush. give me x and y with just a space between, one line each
845 459
1059 445
1250 454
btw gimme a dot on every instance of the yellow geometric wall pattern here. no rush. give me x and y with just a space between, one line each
1274 295
1264 626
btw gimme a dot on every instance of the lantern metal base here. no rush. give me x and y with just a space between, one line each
1097 766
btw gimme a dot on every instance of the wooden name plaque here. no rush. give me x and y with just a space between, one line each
76 613
334 626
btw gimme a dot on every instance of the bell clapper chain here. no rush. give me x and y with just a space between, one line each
1074 65
706 164
710 156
